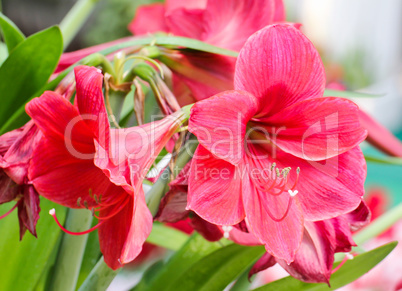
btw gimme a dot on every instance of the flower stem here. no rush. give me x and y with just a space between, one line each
71 251
379 225
100 277
75 18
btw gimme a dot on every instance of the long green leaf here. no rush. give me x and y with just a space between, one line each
167 237
384 160
195 249
348 273
23 262
218 269
11 33
174 41
27 69
348 94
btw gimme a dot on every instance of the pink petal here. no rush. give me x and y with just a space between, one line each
317 129
263 263
280 66
187 4
149 19
327 188
280 14
214 189
314 259
243 238
202 73
281 238
90 101
229 23
140 228
185 22
359 217
380 137
220 123
113 234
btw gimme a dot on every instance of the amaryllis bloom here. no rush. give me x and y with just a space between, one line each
16 148
274 152
83 163
224 23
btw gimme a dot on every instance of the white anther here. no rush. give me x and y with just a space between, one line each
292 193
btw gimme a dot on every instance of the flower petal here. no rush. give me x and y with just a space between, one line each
327 188
317 129
214 189
220 123
149 19
140 228
113 234
229 23
263 263
60 120
8 188
314 259
185 22
28 211
277 221
280 66
90 102
380 137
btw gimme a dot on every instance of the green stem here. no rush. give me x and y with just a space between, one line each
75 18
379 225
100 277
155 194
71 251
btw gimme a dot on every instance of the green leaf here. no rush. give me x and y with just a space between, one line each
11 33
349 94
167 237
348 273
27 69
171 41
23 262
384 160
218 269
167 277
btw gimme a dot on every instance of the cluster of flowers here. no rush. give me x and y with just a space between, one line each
277 163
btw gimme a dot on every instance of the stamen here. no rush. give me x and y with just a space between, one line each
113 212
348 256
292 193
52 212
9 212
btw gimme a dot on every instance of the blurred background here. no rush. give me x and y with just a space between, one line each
360 43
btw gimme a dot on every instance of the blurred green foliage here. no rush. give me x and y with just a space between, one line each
111 20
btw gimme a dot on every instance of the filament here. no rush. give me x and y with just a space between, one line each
52 212
9 212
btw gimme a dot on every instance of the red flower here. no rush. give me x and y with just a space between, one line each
295 141
16 148
82 162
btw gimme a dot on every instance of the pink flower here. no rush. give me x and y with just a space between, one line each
224 23
274 152
83 163
16 148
